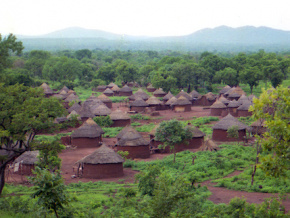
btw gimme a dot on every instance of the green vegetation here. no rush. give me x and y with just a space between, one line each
139 117
111 132
146 127
103 121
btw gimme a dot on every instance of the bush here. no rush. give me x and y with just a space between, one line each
103 121
139 117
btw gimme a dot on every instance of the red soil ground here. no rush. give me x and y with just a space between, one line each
219 195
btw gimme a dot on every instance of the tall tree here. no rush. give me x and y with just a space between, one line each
251 76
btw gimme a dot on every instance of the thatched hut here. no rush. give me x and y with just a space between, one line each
108 92
154 102
71 98
64 88
224 100
197 138
236 94
115 89
150 88
185 95
208 99
182 104
232 108
139 94
217 108
133 142
243 110
220 129
85 112
73 114
196 98
25 163
224 90
258 127
242 99
87 135
101 88
120 118
226 94
167 97
138 105
108 102
111 85
170 102
75 107
159 93
102 163
125 91
46 90
101 110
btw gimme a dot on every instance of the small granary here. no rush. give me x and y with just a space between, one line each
87 135
220 129
71 98
150 88
233 108
101 110
243 110
102 163
217 108
46 90
159 93
224 90
101 88
75 107
108 102
167 97
138 105
208 99
154 102
170 102
120 118
196 98
236 94
25 163
258 127
182 104
125 91
184 94
108 92
133 142
115 89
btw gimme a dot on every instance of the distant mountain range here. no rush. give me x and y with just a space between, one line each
223 38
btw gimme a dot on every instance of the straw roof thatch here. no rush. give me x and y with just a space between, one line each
111 85
59 96
209 145
224 100
115 88
75 107
142 94
119 115
196 133
139 102
72 97
245 106
125 89
210 96
224 89
181 101
168 96
229 91
92 97
85 111
102 87
242 99
102 155
153 101
73 113
234 104
124 130
64 88
46 89
101 110
159 92
237 92
150 86
132 138
218 104
171 101
28 157
89 129
104 98
184 94
108 91
195 95
229 121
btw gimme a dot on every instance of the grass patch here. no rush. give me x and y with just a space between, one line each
139 117
135 124
111 132
146 128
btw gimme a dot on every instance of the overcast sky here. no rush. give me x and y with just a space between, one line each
140 17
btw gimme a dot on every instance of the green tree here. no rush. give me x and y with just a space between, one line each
106 73
273 106
251 76
83 53
36 61
172 133
24 112
228 76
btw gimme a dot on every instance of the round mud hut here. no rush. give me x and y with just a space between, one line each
25 163
120 118
220 129
217 108
196 98
197 138
101 88
159 93
71 98
236 94
88 135
224 90
101 110
108 102
108 92
116 90
75 107
46 90
170 103
150 88
243 110
208 99
102 163
125 91
258 127
154 103
182 104
139 105
133 142
233 108
167 97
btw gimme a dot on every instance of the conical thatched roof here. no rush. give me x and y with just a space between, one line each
108 91
159 92
195 95
73 113
93 103
153 101
132 138
102 110
196 133
102 87
28 157
209 145
125 89
210 96
85 111
115 88
242 99
75 107
119 115
234 104
171 101
229 91
251 97
104 98
229 121
224 89
92 97
218 104
142 94
184 94
102 155
63 92
111 85
124 130
181 101
89 129
245 106
237 92
139 102
64 88
150 86
72 97
59 96
224 100
168 96
46 89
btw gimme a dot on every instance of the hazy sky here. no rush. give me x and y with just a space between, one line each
140 17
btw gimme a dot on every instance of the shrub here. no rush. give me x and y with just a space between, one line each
103 121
